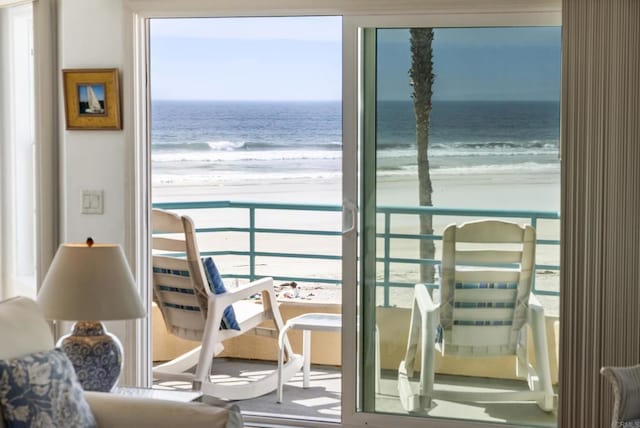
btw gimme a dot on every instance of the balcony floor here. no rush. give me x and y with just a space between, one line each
321 401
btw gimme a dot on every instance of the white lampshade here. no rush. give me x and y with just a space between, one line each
89 282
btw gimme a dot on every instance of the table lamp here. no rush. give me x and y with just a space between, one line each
89 283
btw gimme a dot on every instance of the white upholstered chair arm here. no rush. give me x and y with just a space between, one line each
626 389
115 411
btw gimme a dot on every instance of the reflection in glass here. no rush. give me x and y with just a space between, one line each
492 153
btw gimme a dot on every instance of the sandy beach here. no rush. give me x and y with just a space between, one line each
500 191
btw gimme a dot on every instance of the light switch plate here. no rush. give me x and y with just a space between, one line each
92 202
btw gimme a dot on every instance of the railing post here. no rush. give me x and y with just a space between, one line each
387 256
252 244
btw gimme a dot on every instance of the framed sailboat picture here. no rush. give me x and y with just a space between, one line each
92 98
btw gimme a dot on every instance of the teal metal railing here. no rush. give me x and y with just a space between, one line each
387 236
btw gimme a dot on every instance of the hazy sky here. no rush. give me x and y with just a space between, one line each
476 63
247 59
300 59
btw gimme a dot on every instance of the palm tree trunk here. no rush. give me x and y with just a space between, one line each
422 77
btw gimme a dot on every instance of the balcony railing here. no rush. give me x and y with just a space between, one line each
387 213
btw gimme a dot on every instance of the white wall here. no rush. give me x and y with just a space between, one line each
90 35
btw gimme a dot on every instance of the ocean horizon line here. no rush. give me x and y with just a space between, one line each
338 100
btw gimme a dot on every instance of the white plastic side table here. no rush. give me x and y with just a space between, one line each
308 323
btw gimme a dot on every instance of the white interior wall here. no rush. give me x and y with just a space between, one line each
90 36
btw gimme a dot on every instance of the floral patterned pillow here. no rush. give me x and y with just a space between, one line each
41 390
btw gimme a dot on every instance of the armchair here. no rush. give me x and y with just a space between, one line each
23 331
626 390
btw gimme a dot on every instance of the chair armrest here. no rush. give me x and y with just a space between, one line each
534 304
111 410
244 291
626 389
424 300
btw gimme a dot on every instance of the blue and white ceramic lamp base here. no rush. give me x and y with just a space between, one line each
96 355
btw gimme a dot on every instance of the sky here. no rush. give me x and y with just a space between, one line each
497 64
97 89
287 59
247 59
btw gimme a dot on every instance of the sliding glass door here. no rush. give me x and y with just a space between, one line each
485 153
454 119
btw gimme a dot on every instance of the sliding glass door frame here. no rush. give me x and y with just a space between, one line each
138 13
359 169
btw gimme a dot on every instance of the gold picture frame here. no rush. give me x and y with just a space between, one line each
92 98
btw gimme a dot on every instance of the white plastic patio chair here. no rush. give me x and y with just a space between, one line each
191 310
484 308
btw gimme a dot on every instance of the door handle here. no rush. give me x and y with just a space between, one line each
348 217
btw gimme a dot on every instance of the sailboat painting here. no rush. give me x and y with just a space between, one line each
91 99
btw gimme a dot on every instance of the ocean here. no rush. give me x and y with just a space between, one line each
213 142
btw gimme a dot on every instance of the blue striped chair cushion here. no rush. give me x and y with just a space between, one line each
496 285
474 305
482 323
481 305
229 321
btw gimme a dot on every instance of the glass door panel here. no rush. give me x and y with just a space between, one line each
457 125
